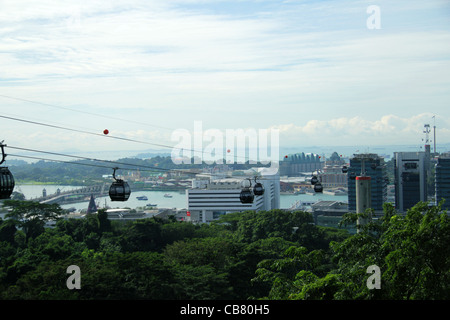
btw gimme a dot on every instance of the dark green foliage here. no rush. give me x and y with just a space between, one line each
294 226
31 216
411 251
273 254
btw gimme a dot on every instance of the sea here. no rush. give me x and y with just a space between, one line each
176 200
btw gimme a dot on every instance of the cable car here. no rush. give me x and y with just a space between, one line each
318 187
6 183
246 196
258 189
344 169
314 180
119 189
6 178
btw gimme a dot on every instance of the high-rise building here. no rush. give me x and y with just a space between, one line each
373 166
410 174
442 180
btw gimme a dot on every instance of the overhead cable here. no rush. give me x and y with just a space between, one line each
79 111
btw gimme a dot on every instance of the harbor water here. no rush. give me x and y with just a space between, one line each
177 199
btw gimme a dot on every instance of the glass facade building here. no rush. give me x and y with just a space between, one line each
442 180
410 170
373 166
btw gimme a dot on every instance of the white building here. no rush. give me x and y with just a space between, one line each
210 198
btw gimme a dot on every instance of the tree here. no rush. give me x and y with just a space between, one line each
201 282
17 196
212 251
411 251
104 224
297 226
142 235
125 275
32 216
283 273
7 231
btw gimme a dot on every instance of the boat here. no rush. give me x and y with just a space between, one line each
167 195
142 198
151 205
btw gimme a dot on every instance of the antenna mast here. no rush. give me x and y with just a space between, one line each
427 138
434 139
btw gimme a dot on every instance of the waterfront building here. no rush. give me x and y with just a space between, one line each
410 174
208 199
293 165
373 166
332 176
442 180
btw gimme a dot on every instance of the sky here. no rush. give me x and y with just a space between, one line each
320 72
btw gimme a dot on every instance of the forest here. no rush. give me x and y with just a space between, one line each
271 255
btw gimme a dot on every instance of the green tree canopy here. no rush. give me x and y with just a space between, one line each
296 226
31 216
411 251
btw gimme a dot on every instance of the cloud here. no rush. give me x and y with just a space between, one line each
388 129
172 62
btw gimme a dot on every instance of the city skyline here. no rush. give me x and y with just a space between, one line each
142 69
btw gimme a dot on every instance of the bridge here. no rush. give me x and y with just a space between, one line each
77 195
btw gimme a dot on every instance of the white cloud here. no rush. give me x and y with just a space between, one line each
388 129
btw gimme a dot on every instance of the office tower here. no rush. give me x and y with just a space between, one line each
410 174
369 165
363 197
442 182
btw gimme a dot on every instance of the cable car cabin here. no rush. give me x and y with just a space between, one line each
119 191
318 188
314 180
6 183
246 196
344 169
258 189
